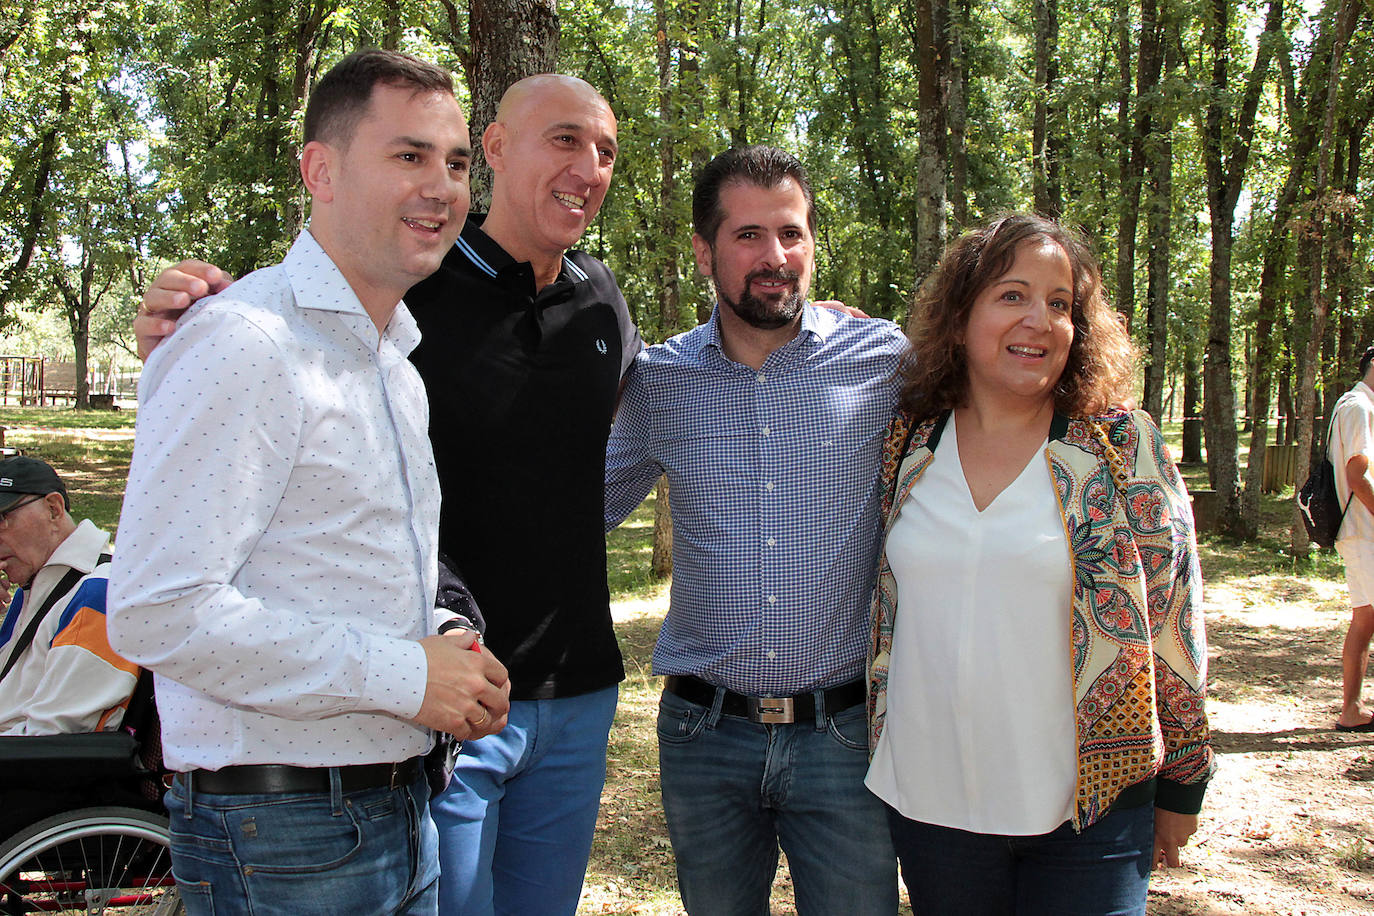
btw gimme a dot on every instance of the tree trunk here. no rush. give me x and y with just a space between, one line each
1154 142
511 39
1303 134
958 115
1129 163
932 18
1227 138
661 565
669 298
1192 398
1158 231
1310 252
1047 195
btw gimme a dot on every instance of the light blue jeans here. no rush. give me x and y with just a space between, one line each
733 790
516 823
371 851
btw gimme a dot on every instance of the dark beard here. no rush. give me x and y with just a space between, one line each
768 316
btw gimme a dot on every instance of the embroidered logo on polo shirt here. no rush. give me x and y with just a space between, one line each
601 346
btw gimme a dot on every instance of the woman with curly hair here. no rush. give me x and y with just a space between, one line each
1036 709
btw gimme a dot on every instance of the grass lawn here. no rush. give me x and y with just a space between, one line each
90 449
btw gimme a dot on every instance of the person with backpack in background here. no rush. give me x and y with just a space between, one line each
1352 444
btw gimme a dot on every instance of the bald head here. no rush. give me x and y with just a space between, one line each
552 151
533 89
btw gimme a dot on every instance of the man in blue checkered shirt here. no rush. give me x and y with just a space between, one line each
768 421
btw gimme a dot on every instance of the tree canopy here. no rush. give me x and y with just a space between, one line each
1212 150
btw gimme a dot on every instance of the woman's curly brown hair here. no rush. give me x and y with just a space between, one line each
1102 359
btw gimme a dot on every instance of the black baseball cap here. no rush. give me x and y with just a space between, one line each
21 476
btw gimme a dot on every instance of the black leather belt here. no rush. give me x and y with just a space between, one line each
768 710
273 779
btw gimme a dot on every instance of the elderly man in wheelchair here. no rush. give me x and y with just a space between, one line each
82 827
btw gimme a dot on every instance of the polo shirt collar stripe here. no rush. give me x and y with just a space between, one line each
477 260
577 273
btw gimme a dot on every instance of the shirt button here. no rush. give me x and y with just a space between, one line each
760 377
767 431
768 486
772 542
772 599
772 653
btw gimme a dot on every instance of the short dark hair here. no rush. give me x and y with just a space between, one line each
1366 359
341 97
764 166
1101 363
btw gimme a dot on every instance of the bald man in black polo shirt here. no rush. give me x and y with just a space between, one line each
524 347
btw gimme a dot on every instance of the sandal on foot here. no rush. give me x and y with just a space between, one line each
1365 727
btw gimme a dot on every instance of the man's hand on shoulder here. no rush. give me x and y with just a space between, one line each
467 692
172 294
839 306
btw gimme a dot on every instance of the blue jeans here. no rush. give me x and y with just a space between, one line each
516 823
299 854
1103 871
733 790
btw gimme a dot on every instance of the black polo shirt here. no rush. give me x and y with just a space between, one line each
522 387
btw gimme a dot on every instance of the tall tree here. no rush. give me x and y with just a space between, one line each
511 39
1227 134
934 60
1343 17
1046 129
1304 103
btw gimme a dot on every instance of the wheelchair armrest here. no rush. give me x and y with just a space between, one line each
72 760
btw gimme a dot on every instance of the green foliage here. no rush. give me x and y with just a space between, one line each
141 131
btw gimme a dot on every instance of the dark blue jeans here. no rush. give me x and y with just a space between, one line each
733 790
1103 871
299 854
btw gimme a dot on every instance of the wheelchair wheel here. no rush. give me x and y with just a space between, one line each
90 861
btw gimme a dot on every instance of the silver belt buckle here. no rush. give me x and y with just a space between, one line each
771 710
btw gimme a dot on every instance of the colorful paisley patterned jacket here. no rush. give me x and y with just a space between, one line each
1139 650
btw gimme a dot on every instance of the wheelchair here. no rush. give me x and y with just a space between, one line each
105 850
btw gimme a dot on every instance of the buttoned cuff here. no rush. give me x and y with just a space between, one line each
396 676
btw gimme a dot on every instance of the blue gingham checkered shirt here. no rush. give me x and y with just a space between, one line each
773 484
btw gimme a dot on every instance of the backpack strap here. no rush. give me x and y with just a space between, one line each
1326 453
64 585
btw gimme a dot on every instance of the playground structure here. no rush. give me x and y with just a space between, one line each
36 381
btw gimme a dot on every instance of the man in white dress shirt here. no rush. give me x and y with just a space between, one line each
278 555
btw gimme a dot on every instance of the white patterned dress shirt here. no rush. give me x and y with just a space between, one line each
277 547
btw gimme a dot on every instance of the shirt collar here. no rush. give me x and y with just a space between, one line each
1364 389
81 549
491 259
815 328
317 283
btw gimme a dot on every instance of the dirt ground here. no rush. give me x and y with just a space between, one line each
1288 825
